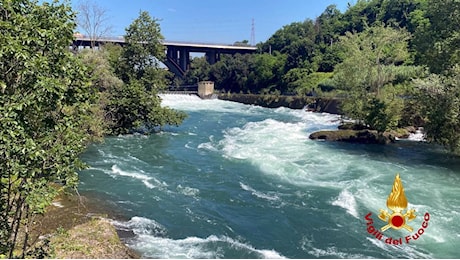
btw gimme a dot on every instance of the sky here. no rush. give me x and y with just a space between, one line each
214 21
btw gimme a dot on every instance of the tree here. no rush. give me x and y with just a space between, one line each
93 20
232 72
135 104
199 70
131 107
242 43
284 37
44 105
375 50
328 25
266 72
439 99
371 62
143 52
400 13
437 37
102 78
303 83
359 16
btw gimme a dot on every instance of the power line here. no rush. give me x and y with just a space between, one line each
253 34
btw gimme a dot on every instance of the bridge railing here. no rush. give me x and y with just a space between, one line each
121 39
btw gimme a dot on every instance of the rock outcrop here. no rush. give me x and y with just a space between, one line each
365 136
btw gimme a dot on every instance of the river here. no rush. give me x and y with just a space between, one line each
241 181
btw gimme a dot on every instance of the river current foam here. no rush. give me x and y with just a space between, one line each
240 181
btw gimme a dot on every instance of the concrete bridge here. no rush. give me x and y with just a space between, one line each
177 53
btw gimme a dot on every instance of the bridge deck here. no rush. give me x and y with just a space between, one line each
121 40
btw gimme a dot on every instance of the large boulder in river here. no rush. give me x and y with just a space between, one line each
353 136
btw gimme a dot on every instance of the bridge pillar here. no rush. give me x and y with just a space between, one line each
184 58
212 56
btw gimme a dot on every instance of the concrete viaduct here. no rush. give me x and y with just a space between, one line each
177 53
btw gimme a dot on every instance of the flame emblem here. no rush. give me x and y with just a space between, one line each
397 203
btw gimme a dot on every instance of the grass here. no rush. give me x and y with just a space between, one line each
76 227
94 239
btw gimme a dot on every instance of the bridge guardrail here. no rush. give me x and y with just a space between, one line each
121 39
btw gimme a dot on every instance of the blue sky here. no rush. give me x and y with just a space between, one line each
215 21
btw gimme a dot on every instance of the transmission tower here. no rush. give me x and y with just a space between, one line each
253 34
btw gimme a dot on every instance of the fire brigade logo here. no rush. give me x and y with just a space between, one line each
397 218
397 203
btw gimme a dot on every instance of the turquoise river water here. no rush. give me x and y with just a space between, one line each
240 181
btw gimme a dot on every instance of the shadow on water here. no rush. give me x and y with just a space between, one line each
404 152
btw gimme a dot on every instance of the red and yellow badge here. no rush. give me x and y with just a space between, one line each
397 203
398 218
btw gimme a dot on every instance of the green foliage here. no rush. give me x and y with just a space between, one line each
405 13
240 73
437 37
132 107
199 71
267 72
114 55
439 99
103 78
328 25
232 72
367 71
52 103
143 52
288 35
304 83
372 53
134 103
45 100
376 115
360 15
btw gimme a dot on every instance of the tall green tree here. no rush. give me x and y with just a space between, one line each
437 36
401 13
143 52
359 16
328 25
370 64
136 103
44 106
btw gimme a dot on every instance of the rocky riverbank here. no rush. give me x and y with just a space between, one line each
77 227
